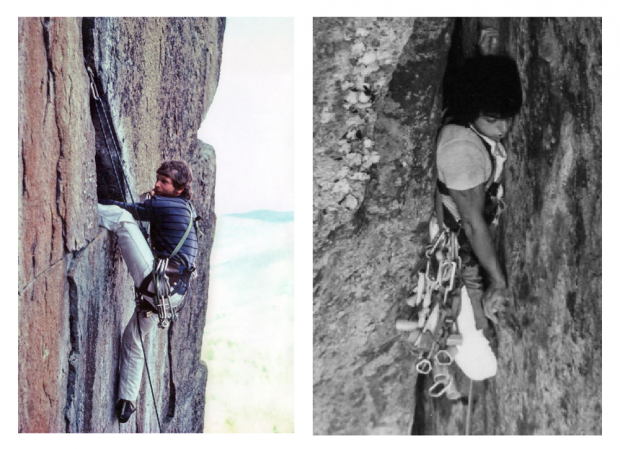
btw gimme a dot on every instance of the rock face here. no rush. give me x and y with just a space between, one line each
549 344
373 183
158 78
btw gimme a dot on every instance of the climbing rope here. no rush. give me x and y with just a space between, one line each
98 104
469 401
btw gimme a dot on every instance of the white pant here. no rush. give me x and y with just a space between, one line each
139 260
474 356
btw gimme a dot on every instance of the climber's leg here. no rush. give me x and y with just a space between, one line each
136 252
132 358
475 356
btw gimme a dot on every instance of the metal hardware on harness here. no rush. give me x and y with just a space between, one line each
442 378
423 366
165 311
439 388
451 266
434 332
443 358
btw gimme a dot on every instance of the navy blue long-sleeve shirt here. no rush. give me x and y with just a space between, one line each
169 218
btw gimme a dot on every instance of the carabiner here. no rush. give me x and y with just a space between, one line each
448 289
444 269
93 86
439 388
443 358
421 288
431 251
423 366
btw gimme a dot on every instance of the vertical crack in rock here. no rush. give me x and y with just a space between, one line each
24 177
109 169
47 49
90 362
73 353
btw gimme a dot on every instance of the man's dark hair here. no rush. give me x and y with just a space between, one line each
181 176
486 85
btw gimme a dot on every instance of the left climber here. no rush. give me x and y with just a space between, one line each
171 217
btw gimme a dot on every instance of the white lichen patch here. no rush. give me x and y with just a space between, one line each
341 188
351 97
346 85
368 58
362 32
369 69
360 176
351 134
344 147
354 159
363 98
350 202
355 121
358 49
343 172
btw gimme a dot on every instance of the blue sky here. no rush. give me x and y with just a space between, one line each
250 123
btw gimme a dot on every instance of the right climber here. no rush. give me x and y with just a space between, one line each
470 159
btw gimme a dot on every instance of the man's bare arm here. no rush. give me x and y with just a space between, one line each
470 204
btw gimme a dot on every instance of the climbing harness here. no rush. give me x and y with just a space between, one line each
167 314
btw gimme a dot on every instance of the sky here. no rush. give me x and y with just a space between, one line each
250 122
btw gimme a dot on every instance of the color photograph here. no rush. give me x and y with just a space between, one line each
156 212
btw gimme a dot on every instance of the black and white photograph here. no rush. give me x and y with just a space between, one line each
457 226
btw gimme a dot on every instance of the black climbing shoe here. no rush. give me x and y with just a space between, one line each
125 409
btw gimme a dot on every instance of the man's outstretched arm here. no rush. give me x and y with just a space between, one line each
139 211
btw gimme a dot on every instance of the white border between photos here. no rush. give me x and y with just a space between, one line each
303 195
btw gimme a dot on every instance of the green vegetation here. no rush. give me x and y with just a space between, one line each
248 340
